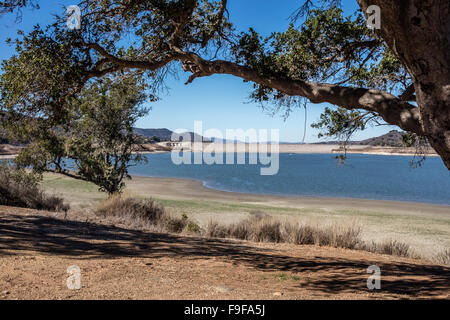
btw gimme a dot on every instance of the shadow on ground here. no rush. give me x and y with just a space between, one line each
84 240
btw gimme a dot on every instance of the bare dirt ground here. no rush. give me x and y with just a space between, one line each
119 262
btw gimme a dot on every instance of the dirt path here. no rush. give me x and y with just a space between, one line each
118 262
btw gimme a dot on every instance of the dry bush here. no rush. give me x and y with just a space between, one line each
263 228
302 234
239 231
258 228
267 229
390 247
147 212
127 207
215 230
21 189
345 236
443 258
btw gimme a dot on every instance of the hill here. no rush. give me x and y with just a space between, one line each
167 135
163 134
393 138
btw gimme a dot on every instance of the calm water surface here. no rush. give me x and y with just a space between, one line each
319 175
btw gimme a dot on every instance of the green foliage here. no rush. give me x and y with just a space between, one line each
327 47
341 124
8 6
193 227
37 82
53 65
385 73
102 140
45 150
409 139
98 136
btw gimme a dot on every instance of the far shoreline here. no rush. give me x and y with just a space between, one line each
332 149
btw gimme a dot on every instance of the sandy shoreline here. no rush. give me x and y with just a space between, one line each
297 148
172 188
282 148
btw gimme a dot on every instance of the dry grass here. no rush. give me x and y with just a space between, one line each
21 189
125 206
259 227
263 228
390 247
443 258
267 229
144 212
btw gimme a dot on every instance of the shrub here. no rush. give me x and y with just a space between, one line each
265 230
132 208
19 188
345 237
258 227
192 227
172 224
215 230
302 234
145 211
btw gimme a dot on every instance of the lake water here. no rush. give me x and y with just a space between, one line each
319 175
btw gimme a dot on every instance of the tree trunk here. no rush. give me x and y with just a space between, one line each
418 31
435 116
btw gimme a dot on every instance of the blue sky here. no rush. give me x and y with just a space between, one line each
219 101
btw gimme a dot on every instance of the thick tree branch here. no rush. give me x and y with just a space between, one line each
132 64
390 108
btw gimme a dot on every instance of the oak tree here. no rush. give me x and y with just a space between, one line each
399 73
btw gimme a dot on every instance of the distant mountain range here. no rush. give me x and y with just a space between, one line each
168 135
393 138
163 134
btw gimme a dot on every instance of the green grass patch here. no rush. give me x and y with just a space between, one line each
67 184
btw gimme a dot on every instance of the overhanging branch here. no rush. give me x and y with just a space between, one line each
392 109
